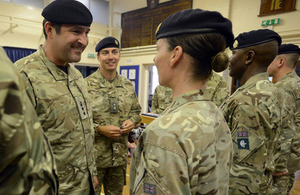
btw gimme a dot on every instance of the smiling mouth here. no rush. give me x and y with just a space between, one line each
78 48
111 63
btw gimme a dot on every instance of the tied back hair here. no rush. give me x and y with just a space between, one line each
220 62
207 50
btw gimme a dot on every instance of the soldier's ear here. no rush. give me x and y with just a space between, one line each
281 62
176 55
49 29
98 56
250 57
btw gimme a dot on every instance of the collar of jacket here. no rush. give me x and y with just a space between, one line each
253 80
104 82
57 73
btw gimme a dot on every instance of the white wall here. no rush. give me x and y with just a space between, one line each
244 20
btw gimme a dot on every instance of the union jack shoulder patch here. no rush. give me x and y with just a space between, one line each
243 134
149 189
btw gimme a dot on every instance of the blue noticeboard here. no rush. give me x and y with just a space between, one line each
131 73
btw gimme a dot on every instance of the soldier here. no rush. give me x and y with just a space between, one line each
188 149
59 94
216 87
162 98
116 111
287 161
26 160
252 111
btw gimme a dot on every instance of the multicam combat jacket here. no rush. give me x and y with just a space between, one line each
162 98
26 161
187 150
288 154
112 152
63 108
253 116
217 89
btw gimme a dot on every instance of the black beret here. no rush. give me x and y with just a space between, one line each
255 37
106 43
68 12
288 48
195 21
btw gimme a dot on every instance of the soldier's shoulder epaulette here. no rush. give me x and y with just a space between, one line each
125 81
92 78
76 72
30 61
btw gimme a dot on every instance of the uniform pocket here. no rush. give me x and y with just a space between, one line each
119 154
146 183
245 143
148 186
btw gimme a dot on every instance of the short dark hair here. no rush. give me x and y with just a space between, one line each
56 26
206 49
291 58
264 53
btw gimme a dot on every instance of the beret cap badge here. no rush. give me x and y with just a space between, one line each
157 29
255 37
107 42
235 44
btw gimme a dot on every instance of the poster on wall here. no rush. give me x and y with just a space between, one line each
131 73
124 73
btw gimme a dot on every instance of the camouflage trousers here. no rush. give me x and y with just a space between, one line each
112 178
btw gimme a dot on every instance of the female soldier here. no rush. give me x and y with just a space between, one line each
188 149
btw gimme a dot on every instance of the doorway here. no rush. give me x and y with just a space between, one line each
153 83
148 83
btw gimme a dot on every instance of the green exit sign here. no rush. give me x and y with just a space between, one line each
270 22
91 55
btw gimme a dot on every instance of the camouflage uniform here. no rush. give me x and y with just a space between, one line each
288 151
187 150
253 116
61 103
216 89
26 161
111 153
161 99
